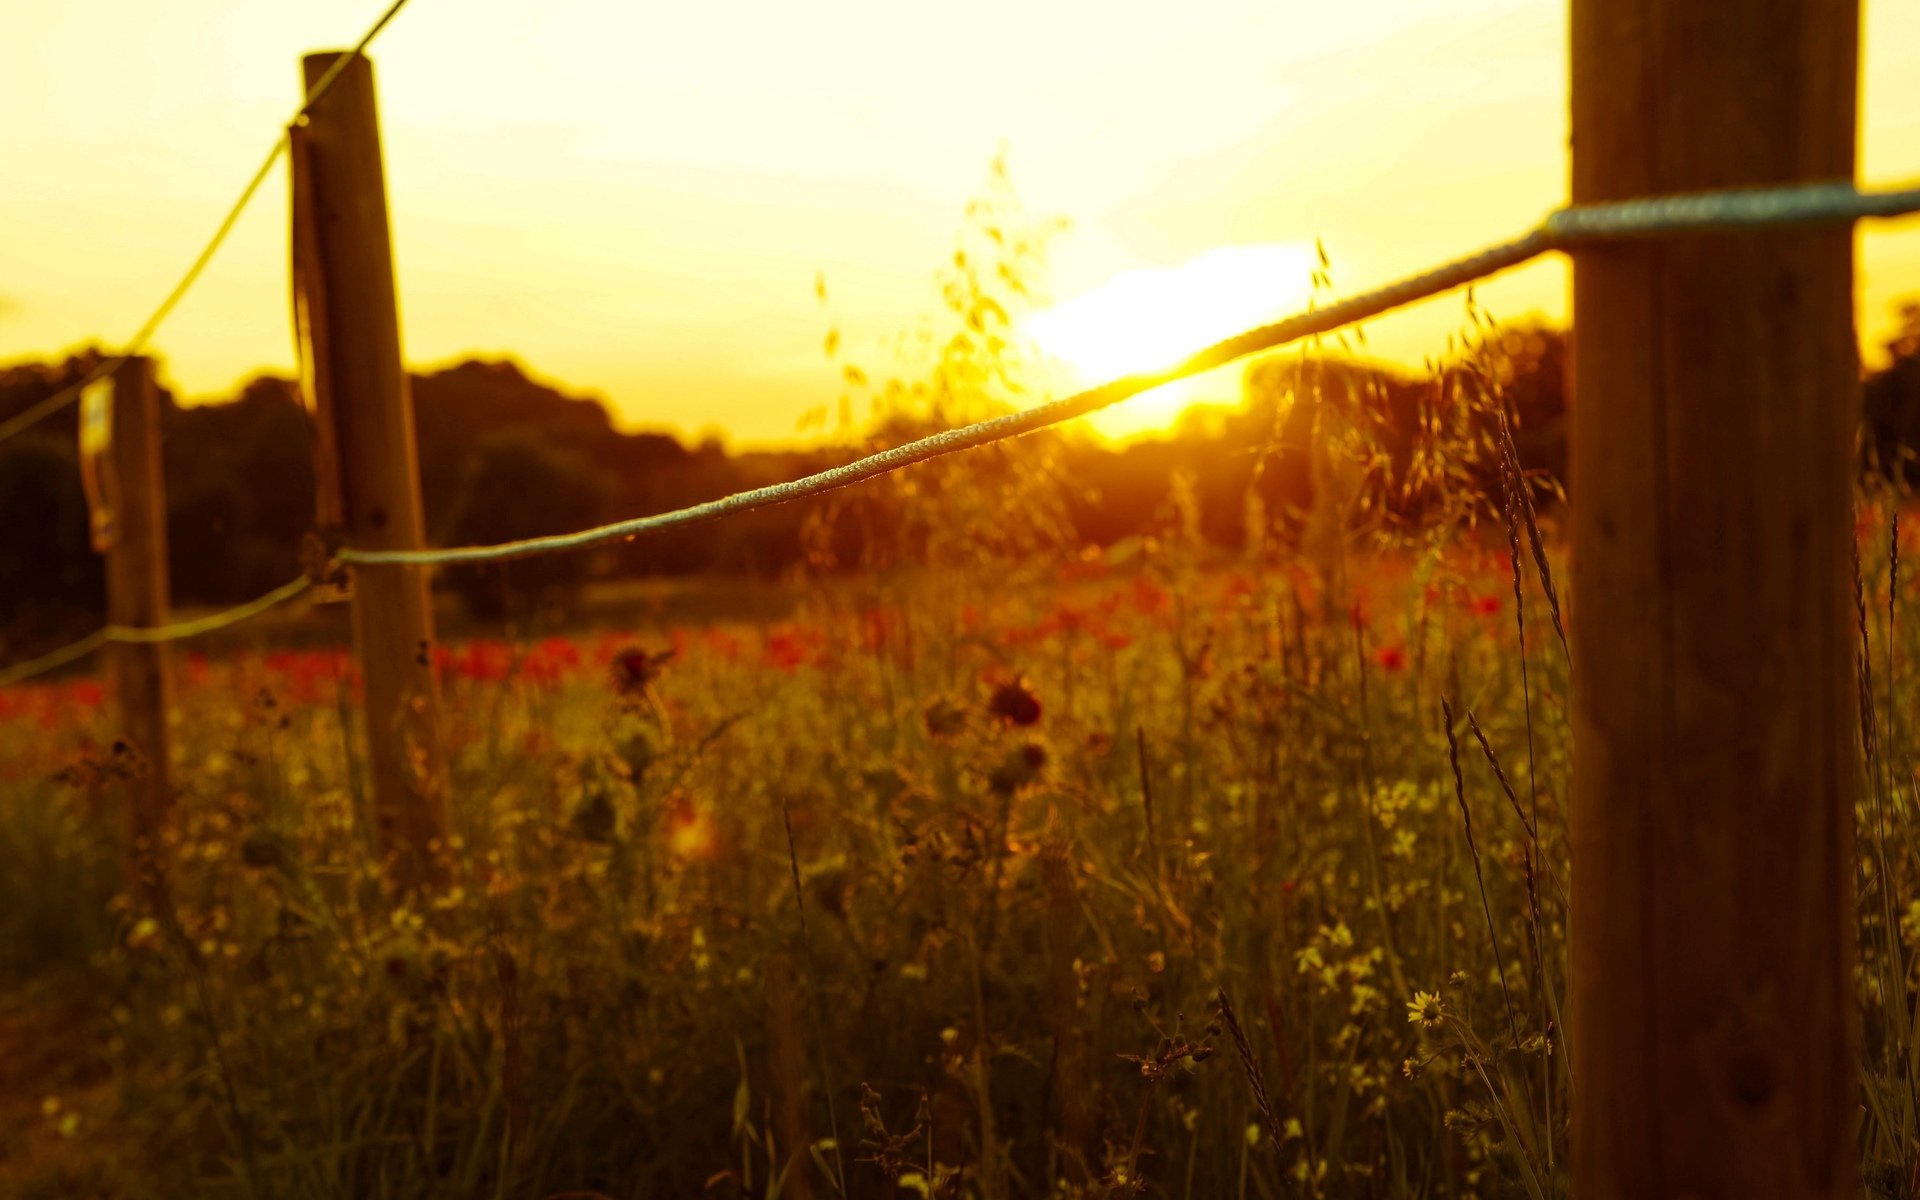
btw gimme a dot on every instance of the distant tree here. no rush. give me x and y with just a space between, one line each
518 486
51 581
240 492
1890 405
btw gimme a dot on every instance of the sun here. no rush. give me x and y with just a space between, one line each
1154 317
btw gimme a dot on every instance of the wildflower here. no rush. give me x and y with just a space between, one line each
1424 1010
1021 766
634 669
1150 598
1485 606
144 935
485 661
1015 703
790 649
1391 658
1065 618
723 644
690 832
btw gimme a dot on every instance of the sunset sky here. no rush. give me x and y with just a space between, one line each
634 200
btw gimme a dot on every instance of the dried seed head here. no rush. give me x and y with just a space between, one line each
1015 703
633 669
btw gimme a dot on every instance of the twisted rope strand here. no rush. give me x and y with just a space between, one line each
134 635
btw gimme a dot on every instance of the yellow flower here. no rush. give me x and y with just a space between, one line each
1424 1010
145 934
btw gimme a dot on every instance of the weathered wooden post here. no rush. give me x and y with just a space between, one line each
370 411
120 453
1714 410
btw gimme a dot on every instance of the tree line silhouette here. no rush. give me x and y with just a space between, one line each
504 456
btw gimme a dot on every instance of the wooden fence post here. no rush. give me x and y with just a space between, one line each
1714 410
372 414
138 594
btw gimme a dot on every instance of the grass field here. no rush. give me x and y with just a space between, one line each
1155 873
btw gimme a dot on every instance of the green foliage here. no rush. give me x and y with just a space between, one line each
50 578
1004 503
518 486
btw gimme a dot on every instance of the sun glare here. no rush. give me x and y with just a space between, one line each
1151 318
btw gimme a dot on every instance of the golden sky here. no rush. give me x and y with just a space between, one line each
634 199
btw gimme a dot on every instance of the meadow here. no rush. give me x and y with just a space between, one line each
1154 872
967 861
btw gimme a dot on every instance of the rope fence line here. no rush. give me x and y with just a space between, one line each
67 395
130 635
1731 210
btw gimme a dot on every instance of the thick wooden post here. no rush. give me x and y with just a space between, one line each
1714 409
379 478
138 592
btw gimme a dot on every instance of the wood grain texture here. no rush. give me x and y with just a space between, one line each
138 597
374 440
1715 402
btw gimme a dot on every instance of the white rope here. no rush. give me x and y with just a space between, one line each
148 635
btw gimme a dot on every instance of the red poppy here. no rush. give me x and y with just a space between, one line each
724 644
486 661
787 650
1391 658
1150 598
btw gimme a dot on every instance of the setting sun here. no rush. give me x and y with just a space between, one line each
1145 319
